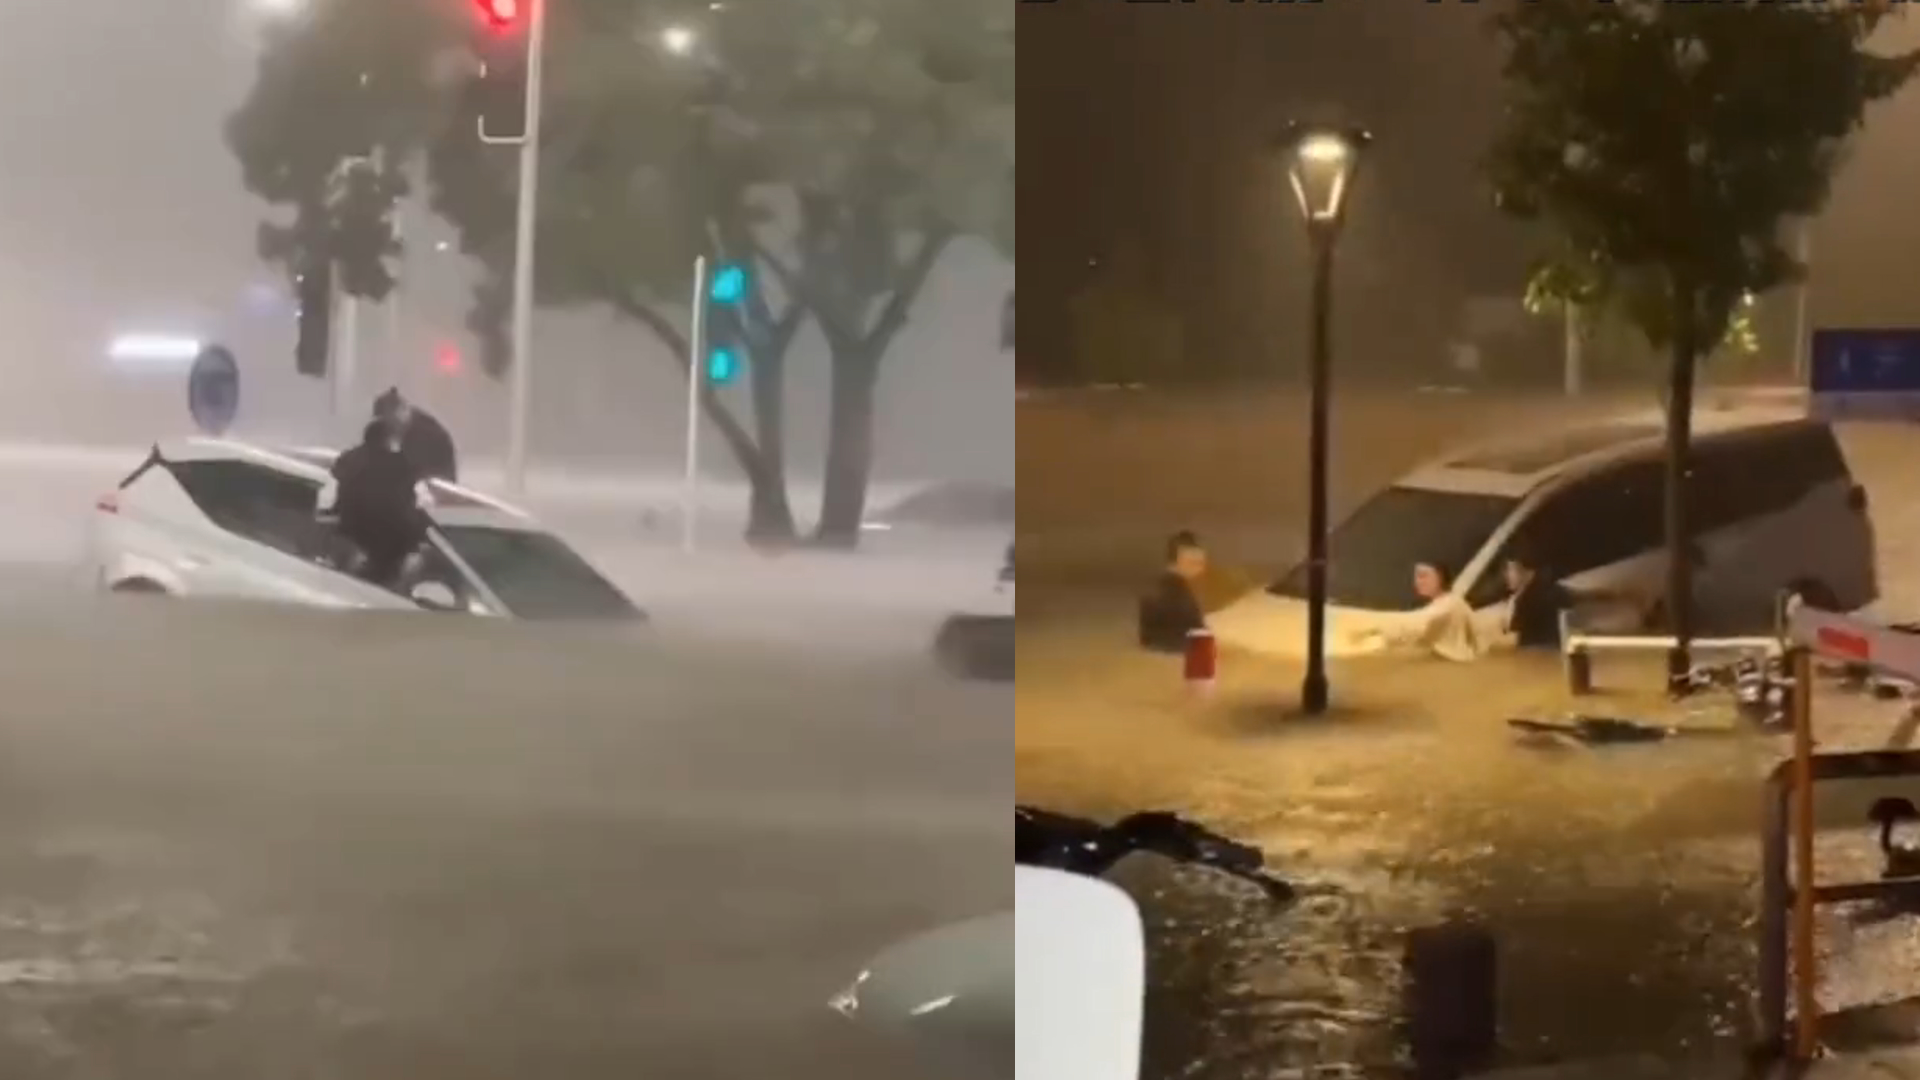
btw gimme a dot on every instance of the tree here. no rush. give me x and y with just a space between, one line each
1666 146
838 149
890 124
308 116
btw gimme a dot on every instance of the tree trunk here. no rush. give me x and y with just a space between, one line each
1680 375
769 512
843 498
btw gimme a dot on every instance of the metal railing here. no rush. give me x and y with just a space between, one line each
1788 1009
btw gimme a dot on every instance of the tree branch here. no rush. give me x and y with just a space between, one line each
893 316
802 296
731 430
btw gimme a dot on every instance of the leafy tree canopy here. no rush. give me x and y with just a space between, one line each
837 145
887 118
1666 144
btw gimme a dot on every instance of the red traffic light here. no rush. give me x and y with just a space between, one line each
501 14
446 357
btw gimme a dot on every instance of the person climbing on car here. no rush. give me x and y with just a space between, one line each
379 499
1170 610
423 438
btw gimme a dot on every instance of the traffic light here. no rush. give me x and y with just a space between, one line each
501 14
726 324
729 284
500 91
314 289
723 365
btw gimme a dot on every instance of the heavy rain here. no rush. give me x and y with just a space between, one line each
1167 385
643 742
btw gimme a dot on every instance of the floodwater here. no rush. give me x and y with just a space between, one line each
1619 882
246 841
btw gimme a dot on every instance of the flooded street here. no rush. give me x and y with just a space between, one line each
1619 882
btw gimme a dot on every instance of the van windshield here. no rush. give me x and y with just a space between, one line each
1374 551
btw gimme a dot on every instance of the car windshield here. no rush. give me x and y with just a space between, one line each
1374 551
536 575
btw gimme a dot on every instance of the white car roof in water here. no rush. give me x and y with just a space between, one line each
1515 466
454 505
1079 977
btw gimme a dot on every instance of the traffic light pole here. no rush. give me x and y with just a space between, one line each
520 376
696 375
343 368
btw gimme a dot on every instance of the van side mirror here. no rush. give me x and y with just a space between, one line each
434 596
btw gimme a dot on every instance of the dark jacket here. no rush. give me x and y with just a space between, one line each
1534 618
1167 613
376 501
428 445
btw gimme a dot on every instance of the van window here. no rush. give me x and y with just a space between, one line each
1605 518
1375 550
1764 472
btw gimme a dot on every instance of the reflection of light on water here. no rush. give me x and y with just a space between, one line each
1308 989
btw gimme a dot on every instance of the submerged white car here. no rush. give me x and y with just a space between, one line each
1055 988
220 519
1778 510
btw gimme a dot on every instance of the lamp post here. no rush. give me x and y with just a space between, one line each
1320 163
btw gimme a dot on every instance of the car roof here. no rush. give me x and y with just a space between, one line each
453 505
1516 466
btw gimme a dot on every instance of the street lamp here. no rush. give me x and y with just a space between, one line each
1320 164
679 40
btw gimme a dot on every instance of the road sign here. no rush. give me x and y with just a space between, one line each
1866 374
213 389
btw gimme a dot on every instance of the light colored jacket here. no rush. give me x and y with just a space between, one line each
1445 627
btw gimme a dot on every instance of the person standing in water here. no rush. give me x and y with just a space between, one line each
1171 610
1534 605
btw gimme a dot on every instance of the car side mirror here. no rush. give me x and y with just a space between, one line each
434 596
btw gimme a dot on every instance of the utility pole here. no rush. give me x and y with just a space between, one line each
696 375
520 376
345 365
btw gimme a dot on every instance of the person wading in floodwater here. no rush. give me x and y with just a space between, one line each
1170 610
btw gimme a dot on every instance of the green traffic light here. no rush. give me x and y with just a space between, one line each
723 366
729 284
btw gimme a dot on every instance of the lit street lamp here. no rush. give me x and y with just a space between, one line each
1320 163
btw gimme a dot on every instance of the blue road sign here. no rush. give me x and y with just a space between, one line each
213 389
1866 374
